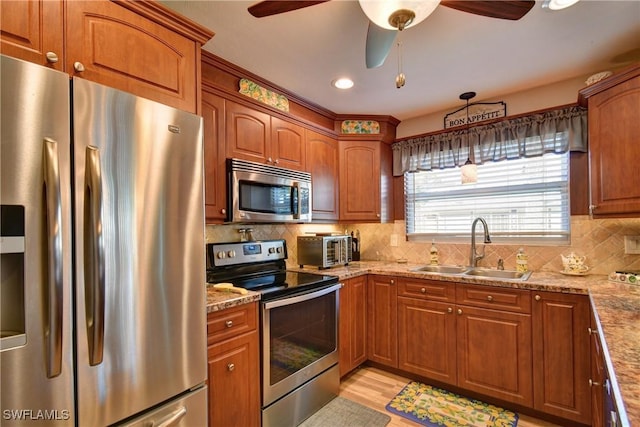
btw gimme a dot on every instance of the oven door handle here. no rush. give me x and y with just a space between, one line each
299 298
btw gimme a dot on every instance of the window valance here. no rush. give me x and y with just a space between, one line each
553 131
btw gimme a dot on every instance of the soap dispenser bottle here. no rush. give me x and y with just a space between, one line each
522 261
433 254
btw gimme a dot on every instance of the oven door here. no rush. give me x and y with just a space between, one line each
299 340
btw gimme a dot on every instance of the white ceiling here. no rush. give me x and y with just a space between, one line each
449 53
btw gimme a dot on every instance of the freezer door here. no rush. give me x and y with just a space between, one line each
35 287
139 240
188 410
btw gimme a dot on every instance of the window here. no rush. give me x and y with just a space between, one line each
522 200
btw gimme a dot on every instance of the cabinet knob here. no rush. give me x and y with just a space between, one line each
489 298
78 67
537 298
52 58
269 160
223 211
592 383
276 161
592 331
377 215
592 208
231 367
228 323
459 311
449 310
392 281
423 290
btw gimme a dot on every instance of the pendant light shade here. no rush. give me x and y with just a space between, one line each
397 14
468 171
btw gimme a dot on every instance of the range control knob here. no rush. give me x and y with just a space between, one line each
279 249
221 255
231 254
272 250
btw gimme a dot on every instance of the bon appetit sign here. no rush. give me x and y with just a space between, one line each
478 112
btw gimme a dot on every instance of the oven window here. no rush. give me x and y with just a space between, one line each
300 334
266 198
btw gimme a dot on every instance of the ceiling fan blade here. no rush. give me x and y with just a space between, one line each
379 43
505 9
272 7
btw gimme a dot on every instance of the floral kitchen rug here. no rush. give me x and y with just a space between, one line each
431 406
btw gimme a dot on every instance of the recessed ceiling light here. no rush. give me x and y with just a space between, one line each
343 83
558 4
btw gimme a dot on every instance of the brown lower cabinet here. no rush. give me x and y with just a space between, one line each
353 324
234 366
525 347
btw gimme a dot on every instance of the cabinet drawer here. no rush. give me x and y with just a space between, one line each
231 322
432 290
515 300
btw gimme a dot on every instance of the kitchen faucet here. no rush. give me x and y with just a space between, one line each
473 259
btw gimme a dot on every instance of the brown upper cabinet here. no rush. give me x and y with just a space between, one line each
366 182
139 47
322 163
614 126
215 189
259 137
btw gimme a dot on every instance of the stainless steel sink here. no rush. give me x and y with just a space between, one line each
442 269
497 274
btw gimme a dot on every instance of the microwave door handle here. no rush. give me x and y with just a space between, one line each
296 200
53 203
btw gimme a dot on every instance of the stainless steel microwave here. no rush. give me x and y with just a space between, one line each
264 193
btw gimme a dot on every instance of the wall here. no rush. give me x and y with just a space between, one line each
552 95
600 240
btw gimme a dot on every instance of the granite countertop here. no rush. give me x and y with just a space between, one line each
617 307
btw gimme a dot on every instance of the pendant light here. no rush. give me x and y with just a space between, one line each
469 171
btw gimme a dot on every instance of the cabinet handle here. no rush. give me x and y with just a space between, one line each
231 367
592 383
489 298
459 311
449 310
78 67
228 323
537 297
423 290
52 58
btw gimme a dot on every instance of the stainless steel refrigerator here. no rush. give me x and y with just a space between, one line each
102 250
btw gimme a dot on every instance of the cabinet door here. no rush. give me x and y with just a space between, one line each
427 339
248 133
215 185
382 340
561 355
613 147
33 31
322 155
360 181
119 48
494 353
353 324
287 145
234 379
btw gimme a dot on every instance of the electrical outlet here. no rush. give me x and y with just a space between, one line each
394 240
632 244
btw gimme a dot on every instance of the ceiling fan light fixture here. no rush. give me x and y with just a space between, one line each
391 14
342 83
558 4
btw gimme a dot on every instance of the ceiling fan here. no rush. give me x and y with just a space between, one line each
386 18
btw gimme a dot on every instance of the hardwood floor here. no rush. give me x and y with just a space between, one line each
375 388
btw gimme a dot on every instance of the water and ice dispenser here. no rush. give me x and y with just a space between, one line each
12 265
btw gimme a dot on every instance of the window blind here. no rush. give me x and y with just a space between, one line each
522 200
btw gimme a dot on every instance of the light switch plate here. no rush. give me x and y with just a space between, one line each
394 240
632 244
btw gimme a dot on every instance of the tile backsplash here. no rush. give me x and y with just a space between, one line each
600 240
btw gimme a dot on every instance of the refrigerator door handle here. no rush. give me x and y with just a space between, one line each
172 419
53 202
94 261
